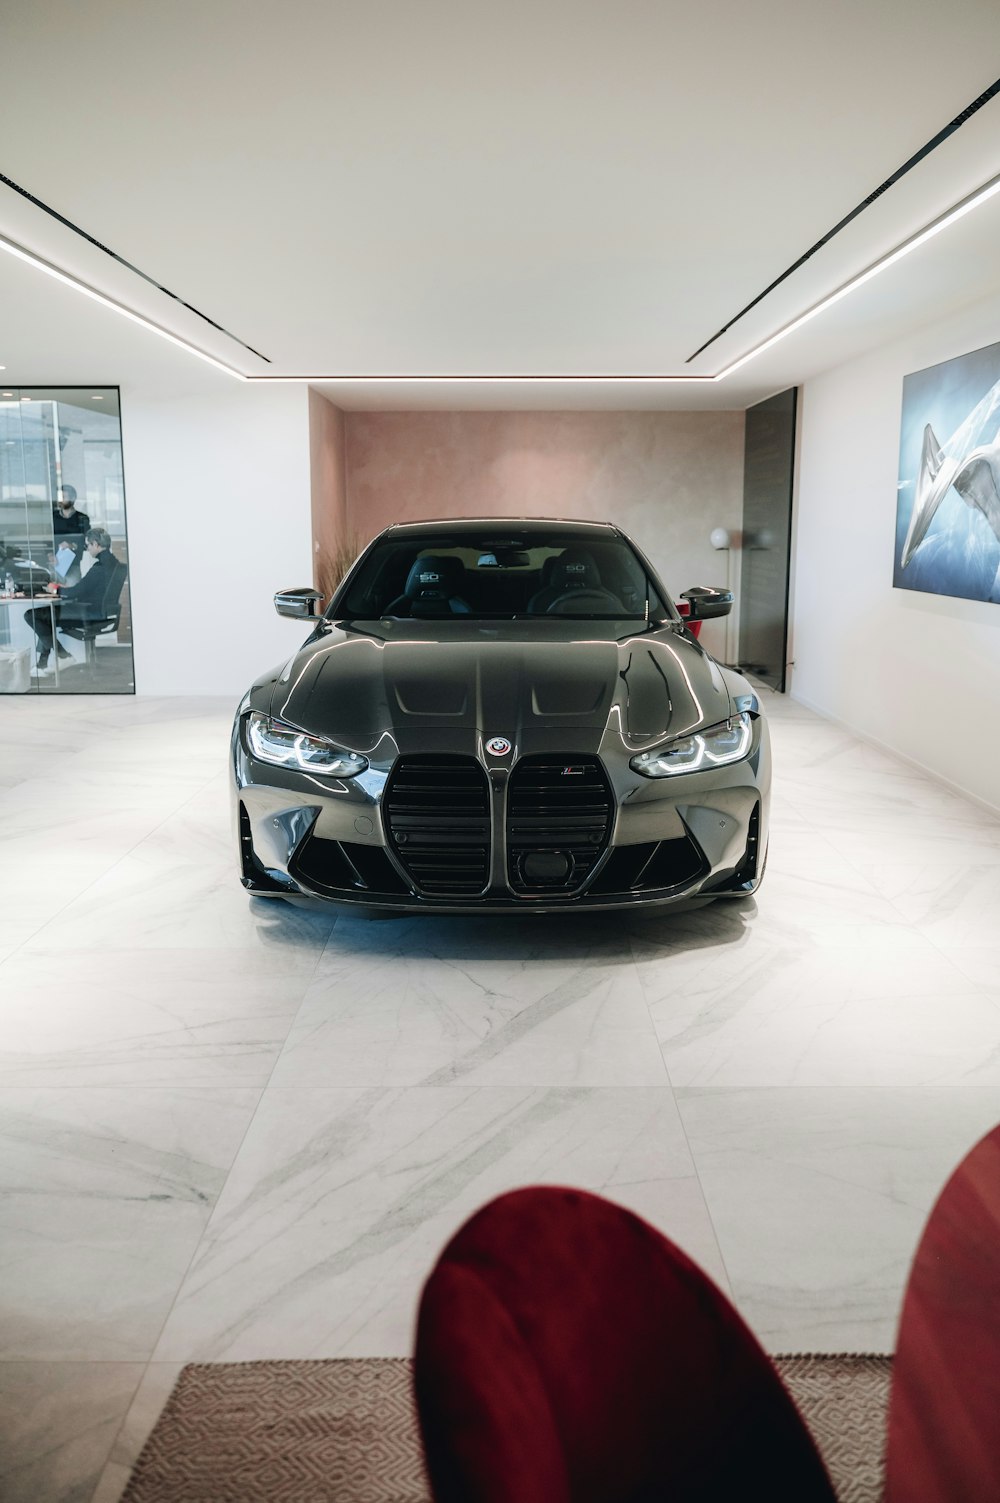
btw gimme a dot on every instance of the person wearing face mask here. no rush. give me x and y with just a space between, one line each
69 528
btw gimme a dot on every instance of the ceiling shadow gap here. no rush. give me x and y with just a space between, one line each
129 265
911 162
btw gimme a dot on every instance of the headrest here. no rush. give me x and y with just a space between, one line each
576 570
434 577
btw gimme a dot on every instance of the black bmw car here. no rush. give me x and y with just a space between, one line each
500 716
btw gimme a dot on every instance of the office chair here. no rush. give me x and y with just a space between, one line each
88 631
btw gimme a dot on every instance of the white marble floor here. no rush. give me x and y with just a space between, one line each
233 1130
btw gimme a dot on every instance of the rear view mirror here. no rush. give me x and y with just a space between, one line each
706 602
300 605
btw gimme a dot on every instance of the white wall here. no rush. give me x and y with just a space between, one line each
918 673
221 483
217 491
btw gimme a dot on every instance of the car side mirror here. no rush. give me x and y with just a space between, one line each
706 602
300 605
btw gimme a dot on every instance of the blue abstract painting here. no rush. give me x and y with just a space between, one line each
948 498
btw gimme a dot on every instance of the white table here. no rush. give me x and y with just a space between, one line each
21 634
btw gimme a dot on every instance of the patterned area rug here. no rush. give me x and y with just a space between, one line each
345 1431
845 1401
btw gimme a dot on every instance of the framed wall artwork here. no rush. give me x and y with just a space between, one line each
948 497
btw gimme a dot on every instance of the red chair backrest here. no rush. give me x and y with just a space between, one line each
944 1410
694 627
568 1353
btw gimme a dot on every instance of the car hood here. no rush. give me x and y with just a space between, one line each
500 678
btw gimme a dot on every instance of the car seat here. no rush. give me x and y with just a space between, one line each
434 587
574 570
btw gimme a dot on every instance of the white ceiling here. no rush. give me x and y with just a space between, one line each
450 187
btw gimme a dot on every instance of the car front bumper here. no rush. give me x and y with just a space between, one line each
663 842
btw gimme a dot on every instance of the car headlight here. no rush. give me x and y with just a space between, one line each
286 747
712 748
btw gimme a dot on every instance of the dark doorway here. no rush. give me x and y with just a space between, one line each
768 472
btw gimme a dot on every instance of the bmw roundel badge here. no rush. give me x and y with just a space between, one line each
498 746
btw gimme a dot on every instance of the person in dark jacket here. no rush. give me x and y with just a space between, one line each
66 520
69 530
93 599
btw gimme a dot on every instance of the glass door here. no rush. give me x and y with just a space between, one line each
65 611
17 658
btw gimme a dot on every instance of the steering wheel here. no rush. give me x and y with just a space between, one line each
601 602
404 606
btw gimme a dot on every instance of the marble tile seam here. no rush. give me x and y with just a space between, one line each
145 1406
183 1274
701 1186
248 1126
88 886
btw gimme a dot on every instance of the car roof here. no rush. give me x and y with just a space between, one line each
523 526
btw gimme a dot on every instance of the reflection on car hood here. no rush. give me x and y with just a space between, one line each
500 678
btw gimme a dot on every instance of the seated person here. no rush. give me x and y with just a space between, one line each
89 600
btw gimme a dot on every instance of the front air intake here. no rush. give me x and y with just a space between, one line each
559 815
341 867
437 812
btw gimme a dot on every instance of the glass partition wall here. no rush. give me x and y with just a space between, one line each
65 618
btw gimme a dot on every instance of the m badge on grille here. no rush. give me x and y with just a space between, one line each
498 746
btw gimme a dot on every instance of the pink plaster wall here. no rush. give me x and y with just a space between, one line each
328 476
667 478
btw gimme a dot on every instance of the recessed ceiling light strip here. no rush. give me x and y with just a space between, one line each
13 249
129 265
534 378
950 217
918 156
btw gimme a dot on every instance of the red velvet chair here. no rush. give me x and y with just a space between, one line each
944 1412
568 1353
694 627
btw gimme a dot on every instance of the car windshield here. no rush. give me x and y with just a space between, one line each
589 576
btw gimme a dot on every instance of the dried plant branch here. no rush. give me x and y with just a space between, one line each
345 551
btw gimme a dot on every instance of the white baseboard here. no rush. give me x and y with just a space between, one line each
893 751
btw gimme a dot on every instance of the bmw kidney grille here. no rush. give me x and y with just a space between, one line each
438 817
558 822
559 818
